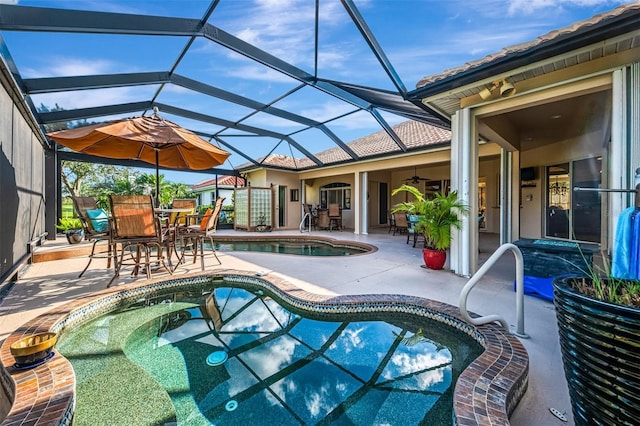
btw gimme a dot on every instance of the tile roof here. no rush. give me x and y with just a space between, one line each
221 181
552 36
413 134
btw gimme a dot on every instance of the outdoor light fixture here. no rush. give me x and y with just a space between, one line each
485 93
506 89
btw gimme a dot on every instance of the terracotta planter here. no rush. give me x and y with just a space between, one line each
600 345
434 259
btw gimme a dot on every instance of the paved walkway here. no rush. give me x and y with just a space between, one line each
394 268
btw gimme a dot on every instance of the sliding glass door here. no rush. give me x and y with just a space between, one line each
574 215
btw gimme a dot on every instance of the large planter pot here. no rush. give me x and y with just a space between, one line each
74 236
434 259
600 345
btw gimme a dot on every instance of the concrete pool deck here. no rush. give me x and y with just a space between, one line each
394 268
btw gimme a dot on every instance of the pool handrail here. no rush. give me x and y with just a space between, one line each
464 294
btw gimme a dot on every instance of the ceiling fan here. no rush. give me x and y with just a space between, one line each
415 178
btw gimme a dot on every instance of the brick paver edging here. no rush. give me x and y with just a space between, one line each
486 392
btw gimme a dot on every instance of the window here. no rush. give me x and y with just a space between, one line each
295 194
336 193
574 215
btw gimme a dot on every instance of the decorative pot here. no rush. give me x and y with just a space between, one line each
600 345
434 259
33 349
75 236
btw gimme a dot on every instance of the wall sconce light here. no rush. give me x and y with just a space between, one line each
506 89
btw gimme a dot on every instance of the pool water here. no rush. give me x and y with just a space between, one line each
227 355
307 248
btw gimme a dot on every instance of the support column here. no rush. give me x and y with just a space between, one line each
303 196
364 185
464 179
52 193
356 203
624 155
509 200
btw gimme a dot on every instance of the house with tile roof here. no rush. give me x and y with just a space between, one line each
537 131
209 190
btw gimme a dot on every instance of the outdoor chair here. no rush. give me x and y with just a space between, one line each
96 226
335 216
323 219
135 226
392 222
401 224
411 229
176 219
195 235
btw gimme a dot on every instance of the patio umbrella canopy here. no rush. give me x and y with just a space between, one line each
152 139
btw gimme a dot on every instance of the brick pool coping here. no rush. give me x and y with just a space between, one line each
486 392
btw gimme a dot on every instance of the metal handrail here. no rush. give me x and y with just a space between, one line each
464 294
304 217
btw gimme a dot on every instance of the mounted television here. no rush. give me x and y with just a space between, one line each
528 173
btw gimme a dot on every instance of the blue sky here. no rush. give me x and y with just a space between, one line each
420 38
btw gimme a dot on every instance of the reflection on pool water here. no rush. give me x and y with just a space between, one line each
303 248
148 364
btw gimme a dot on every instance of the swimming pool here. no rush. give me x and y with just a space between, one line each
487 390
217 353
303 246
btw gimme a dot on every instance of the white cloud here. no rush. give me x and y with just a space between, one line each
67 66
528 7
88 98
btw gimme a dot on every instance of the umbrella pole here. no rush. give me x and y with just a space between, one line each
157 181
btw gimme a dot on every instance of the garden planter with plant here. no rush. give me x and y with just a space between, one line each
599 328
72 228
436 217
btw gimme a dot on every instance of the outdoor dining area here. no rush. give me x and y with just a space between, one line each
141 236
139 232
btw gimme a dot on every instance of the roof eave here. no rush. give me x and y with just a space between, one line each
585 36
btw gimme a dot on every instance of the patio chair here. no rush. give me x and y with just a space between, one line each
392 222
335 216
96 226
411 229
195 235
323 219
135 226
401 224
176 219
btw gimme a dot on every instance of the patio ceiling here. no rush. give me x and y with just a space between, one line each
167 50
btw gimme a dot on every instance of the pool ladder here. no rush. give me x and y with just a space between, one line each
464 294
302 227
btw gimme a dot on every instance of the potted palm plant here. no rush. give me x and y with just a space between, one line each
72 228
436 217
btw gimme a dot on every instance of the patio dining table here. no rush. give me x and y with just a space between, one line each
172 229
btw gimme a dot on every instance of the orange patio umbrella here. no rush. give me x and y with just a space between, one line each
152 139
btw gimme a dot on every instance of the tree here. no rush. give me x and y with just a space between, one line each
73 175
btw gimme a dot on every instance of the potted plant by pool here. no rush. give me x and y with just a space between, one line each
72 228
599 328
436 217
